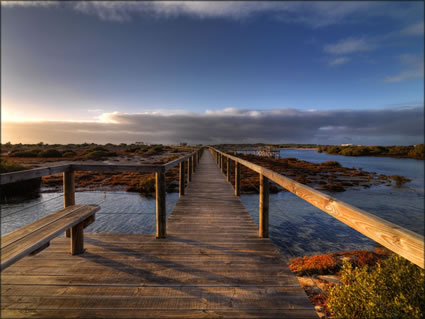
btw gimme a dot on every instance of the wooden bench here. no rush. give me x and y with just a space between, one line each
34 237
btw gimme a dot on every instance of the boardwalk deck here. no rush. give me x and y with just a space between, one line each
211 265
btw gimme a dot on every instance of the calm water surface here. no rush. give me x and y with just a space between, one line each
296 227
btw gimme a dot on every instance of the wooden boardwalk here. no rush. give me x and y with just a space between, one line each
211 265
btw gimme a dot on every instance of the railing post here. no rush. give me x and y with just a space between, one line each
264 207
68 192
194 163
160 204
181 178
237 179
229 169
189 170
222 163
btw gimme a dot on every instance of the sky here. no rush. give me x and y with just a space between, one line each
212 72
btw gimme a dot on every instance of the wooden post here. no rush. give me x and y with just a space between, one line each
264 207
68 192
222 163
237 179
77 239
160 203
229 169
190 169
194 163
181 179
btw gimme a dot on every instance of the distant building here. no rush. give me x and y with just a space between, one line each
346 144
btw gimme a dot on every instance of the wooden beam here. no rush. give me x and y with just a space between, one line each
181 178
13 177
264 207
229 169
189 170
68 192
77 239
237 179
160 205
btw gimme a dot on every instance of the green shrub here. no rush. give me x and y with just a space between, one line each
392 289
69 153
50 153
100 154
400 180
331 164
20 153
7 166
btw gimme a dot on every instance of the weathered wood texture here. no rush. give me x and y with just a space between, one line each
211 265
28 239
160 205
68 192
394 237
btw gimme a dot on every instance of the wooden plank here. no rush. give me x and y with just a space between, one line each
13 177
400 240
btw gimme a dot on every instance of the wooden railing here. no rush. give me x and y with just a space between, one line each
186 163
396 238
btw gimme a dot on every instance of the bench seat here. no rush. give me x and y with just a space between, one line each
35 237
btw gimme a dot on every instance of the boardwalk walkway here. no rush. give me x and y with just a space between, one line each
211 265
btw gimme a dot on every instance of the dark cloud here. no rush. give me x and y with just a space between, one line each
386 127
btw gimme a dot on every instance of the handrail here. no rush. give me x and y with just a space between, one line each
68 171
19 176
402 241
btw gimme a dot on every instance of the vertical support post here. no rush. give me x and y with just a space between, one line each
77 239
181 178
229 169
264 207
68 192
222 163
194 163
237 179
190 169
160 203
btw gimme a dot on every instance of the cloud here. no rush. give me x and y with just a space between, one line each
349 45
29 3
313 13
388 126
416 29
339 61
413 69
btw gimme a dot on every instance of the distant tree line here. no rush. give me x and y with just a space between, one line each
412 151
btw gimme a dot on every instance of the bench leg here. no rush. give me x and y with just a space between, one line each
77 239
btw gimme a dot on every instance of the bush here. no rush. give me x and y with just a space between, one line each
331 164
20 153
320 264
7 166
392 289
145 186
50 153
100 154
69 154
400 180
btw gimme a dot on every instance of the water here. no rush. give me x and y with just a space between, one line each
296 227
299 228
120 212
